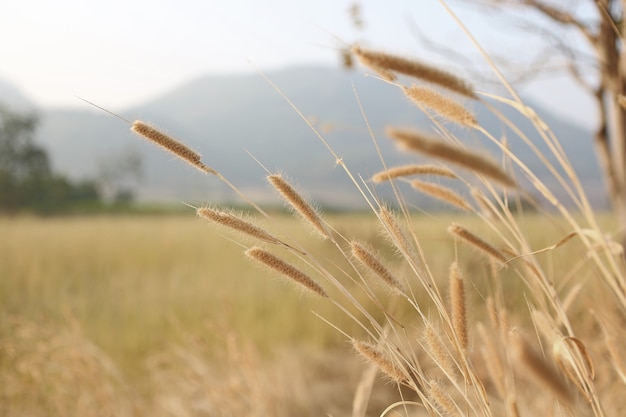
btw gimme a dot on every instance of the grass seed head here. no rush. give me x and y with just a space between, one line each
444 106
371 261
378 61
457 301
294 274
396 233
171 145
477 242
440 397
372 353
298 203
442 193
438 350
234 222
408 170
427 145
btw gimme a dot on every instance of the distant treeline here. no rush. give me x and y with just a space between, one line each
27 182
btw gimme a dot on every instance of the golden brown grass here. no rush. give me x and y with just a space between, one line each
386 64
457 305
438 350
171 145
477 242
408 170
441 105
183 320
372 262
451 373
530 362
542 351
442 193
237 223
286 269
379 358
298 203
140 315
430 146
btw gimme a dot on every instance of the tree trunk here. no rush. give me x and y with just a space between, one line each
603 145
612 59
619 165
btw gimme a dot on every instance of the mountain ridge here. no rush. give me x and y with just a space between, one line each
223 117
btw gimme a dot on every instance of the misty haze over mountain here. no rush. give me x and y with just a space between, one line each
227 117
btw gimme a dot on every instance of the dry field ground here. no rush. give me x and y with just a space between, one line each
500 311
163 316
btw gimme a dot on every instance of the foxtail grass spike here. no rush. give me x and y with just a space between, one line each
444 106
298 203
289 271
378 61
427 145
171 145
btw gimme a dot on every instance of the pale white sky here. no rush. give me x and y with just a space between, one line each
118 53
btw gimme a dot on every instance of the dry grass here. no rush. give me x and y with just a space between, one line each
171 145
387 65
130 299
148 314
407 170
443 106
431 146
163 274
516 330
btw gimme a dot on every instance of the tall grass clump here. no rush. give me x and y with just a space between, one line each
496 324
514 330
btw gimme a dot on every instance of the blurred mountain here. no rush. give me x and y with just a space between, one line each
228 118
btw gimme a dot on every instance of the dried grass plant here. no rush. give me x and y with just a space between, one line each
444 353
455 347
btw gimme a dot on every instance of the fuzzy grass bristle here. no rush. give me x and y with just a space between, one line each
171 145
396 232
477 242
442 193
298 203
378 60
370 260
234 222
427 145
289 271
408 170
437 349
444 106
372 353
457 304
438 395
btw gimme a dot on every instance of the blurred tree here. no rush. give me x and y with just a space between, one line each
26 178
599 26
23 165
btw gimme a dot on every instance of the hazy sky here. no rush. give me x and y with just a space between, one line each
118 53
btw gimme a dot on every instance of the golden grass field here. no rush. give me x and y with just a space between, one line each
162 315
138 287
508 309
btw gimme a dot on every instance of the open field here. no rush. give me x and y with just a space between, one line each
509 302
136 284
514 308
142 290
169 317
